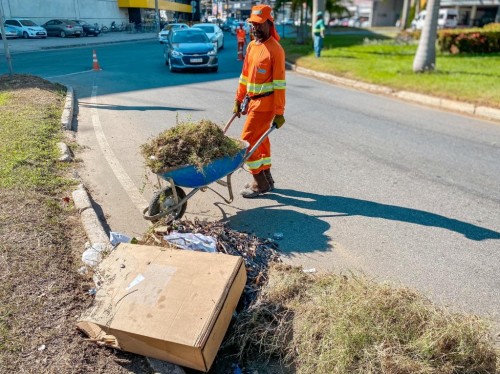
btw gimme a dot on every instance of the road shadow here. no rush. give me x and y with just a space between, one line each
133 107
307 231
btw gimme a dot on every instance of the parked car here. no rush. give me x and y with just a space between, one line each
10 32
26 28
213 32
88 29
190 49
447 19
63 28
163 34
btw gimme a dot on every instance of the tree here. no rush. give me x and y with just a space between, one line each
425 58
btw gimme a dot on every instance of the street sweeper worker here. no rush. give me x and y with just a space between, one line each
241 37
262 85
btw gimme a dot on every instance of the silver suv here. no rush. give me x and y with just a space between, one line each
27 28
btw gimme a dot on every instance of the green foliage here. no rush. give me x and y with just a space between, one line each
388 62
470 40
28 143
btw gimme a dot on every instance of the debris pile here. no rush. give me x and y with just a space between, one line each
189 143
258 253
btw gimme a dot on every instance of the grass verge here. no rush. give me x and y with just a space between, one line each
380 59
41 240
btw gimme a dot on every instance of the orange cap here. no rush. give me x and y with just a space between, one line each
261 13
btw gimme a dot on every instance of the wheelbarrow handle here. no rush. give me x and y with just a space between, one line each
229 122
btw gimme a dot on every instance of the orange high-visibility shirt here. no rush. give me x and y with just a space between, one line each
264 71
241 35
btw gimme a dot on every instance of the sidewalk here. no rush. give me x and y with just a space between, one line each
33 45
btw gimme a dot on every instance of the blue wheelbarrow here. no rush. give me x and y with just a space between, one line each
171 201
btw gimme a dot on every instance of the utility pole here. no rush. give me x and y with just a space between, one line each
5 43
157 16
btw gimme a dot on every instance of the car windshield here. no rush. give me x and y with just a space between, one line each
27 22
207 29
189 38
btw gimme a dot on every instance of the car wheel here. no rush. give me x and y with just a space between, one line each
222 44
25 35
84 34
170 66
62 34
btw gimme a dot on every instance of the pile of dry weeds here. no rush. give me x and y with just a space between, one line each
337 324
188 143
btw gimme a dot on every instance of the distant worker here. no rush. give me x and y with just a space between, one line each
319 34
241 37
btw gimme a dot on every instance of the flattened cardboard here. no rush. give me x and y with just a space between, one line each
173 305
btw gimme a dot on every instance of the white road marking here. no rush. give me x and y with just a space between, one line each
65 75
118 170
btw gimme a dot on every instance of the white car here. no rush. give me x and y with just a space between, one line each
447 19
213 32
163 34
26 28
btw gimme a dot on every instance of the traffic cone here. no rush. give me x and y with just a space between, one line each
95 63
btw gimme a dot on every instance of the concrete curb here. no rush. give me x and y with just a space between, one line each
488 113
91 223
67 114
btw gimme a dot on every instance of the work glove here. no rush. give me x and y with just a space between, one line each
278 120
237 108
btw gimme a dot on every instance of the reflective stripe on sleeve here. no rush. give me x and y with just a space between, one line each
279 85
243 80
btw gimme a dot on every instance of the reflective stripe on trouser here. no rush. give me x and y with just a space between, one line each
256 124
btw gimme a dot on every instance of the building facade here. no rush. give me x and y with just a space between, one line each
102 12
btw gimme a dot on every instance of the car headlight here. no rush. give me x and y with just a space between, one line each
213 52
177 54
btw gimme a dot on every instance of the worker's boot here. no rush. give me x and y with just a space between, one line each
269 178
258 187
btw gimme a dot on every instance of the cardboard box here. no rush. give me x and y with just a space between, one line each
173 305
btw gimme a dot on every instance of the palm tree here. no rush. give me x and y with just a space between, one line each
425 58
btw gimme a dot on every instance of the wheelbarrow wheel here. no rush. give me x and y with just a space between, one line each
164 200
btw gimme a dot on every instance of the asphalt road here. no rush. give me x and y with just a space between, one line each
366 183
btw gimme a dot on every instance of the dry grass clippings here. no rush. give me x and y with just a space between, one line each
188 143
338 324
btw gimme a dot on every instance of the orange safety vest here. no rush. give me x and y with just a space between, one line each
241 35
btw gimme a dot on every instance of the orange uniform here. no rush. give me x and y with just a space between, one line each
263 74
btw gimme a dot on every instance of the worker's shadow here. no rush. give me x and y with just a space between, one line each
307 230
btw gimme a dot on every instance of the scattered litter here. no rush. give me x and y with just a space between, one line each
83 270
93 255
311 270
41 348
92 291
195 242
237 370
122 266
258 253
116 237
278 235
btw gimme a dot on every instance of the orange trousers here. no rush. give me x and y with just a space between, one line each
256 124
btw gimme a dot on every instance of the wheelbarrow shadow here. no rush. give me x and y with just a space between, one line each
301 232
